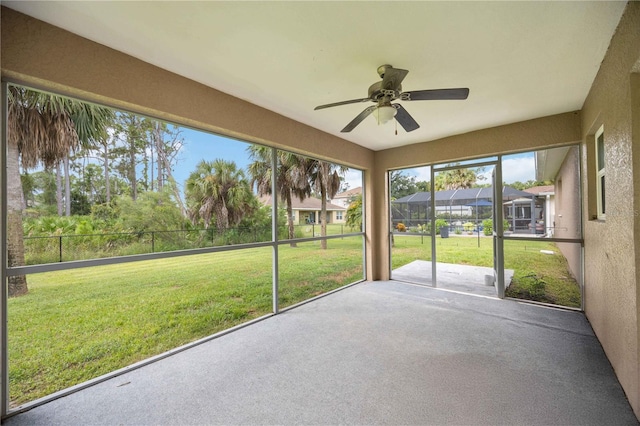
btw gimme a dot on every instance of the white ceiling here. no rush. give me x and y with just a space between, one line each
520 60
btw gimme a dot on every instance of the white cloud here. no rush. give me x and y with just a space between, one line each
419 173
353 178
519 169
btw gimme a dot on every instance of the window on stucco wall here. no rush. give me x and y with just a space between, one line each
600 173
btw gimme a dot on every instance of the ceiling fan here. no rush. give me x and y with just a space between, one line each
390 89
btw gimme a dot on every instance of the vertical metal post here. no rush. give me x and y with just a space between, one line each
4 355
60 248
433 229
153 242
389 230
581 230
274 227
363 228
498 230
477 220
533 215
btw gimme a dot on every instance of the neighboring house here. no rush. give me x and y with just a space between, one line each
562 165
546 216
309 210
345 198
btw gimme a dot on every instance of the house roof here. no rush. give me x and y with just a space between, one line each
548 162
349 193
310 203
537 190
461 196
520 60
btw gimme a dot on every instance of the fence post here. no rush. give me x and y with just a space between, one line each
153 242
60 247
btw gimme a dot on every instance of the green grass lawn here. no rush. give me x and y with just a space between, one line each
537 276
79 324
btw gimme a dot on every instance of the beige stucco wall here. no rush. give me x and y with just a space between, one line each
611 246
567 223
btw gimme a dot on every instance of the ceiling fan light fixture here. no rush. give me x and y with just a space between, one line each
385 113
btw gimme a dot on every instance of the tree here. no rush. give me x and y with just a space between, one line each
151 211
521 186
462 178
132 132
218 188
401 185
292 179
166 142
423 186
354 213
43 129
325 178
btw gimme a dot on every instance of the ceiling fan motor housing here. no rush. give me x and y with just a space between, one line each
377 93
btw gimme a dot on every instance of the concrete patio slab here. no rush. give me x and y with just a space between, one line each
463 278
381 352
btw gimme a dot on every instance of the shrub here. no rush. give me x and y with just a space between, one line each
439 224
468 226
400 227
488 226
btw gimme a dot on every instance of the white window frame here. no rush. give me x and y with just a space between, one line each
600 176
338 215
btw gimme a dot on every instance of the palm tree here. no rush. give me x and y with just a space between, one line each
462 178
218 188
325 178
291 178
43 129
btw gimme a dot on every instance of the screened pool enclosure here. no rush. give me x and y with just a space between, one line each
523 210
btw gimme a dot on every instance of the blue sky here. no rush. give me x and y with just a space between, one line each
199 145
517 167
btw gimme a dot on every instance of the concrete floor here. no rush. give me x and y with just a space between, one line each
463 278
382 352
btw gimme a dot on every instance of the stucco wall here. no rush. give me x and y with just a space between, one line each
611 278
568 209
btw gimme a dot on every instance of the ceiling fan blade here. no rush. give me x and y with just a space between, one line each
352 101
393 78
434 95
364 114
405 119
